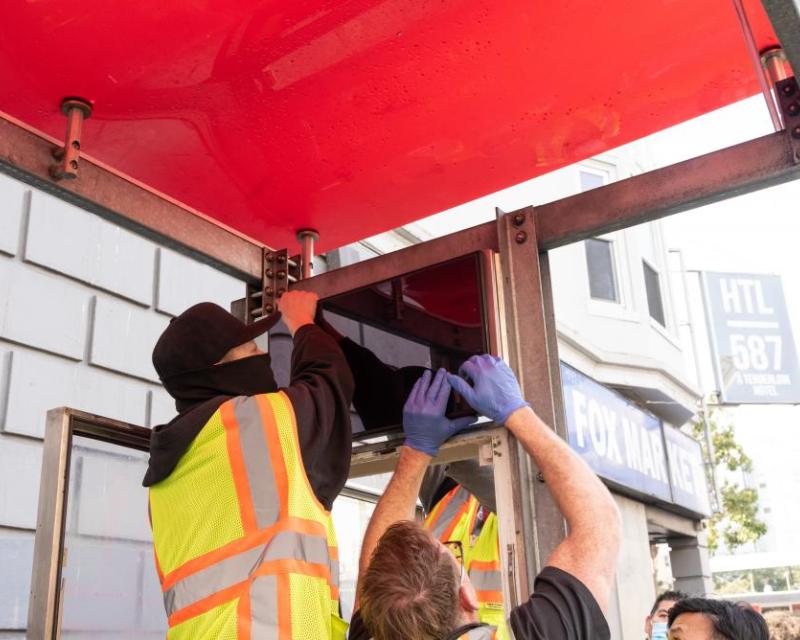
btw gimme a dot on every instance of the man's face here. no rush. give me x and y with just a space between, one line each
692 626
661 615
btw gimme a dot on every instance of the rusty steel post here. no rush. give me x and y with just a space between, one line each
77 110
307 238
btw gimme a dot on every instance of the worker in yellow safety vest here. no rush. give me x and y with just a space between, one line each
458 517
241 482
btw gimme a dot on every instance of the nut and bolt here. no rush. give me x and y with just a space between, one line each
793 108
270 258
796 132
269 273
269 291
281 275
519 219
281 259
788 89
521 237
268 308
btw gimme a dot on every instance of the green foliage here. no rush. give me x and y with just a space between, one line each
736 523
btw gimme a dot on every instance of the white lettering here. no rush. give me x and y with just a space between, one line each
581 422
596 430
761 305
613 452
730 296
633 453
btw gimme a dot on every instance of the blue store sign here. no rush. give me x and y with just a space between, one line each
630 447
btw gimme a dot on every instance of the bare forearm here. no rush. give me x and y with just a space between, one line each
586 504
398 501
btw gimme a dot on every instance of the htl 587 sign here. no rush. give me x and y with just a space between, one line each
755 359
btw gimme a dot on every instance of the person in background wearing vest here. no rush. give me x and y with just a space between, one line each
242 481
410 586
469 528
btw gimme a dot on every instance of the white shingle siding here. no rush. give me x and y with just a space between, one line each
12 204
64 238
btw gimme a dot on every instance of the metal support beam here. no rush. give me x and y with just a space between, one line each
785 18
730 172
532 353
28 157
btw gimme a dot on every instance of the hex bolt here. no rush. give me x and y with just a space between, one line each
269 273
281 259
268 308
281 275
796 132
793 108
521 237
269 291
519 219
788 89
270 258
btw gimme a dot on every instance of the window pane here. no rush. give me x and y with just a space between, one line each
653 286
590 180
111 589
600 262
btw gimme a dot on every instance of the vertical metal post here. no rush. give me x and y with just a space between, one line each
307 238
45 600
755 57
532 352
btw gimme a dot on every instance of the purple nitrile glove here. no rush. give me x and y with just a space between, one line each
494 391
424 422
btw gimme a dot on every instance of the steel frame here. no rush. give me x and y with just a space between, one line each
523 328
44 609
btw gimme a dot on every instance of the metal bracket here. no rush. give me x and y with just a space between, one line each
789 100
77 110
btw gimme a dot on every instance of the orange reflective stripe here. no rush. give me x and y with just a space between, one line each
284 608
275 452
309 527
439 509
454 522
489 596
300 567
206 604
243 617
238 470
485 565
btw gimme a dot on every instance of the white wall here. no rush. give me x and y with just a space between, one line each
82 302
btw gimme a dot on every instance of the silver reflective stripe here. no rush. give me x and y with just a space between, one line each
285 545
257 461
486 580
264 608
334 569
450 511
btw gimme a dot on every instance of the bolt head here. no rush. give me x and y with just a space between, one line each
269 258
268 308
793 108
521 237
74 164
281 275
281 259
269 273
796 132
269 291
789 88
519 219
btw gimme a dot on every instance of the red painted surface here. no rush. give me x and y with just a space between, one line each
353 117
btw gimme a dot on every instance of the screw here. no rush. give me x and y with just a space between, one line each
793 108
281 259
788 89
270 258
269 273
268 308
521 237
519 219
281 275
269 291
74 164
796 132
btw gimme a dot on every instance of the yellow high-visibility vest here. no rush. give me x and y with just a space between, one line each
243 548
486 576
454 518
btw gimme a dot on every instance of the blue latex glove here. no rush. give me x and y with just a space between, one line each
424 423
494 391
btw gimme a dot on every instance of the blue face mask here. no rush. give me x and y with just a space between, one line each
659 631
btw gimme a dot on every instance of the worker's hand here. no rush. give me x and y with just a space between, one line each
494 391
424 423
298 308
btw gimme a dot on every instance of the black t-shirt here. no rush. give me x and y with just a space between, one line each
561 608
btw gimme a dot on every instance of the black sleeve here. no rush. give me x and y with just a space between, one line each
561 608
357 630
320 390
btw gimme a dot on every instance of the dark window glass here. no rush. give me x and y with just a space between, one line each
600 263
653 285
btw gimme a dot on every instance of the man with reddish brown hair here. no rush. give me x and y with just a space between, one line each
411 587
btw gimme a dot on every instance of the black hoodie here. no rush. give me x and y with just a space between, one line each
320 390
